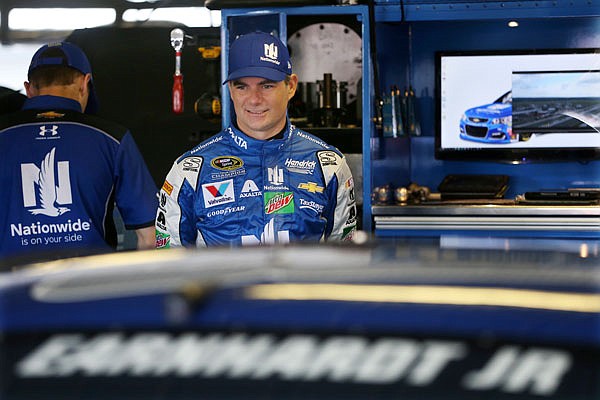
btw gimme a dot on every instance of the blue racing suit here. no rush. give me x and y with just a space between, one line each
234 190
61 173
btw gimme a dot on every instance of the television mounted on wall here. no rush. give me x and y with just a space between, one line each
518 106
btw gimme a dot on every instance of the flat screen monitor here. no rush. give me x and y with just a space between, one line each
518 106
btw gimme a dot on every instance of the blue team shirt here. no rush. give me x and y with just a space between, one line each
61 174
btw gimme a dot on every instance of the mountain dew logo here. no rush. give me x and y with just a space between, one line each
279 202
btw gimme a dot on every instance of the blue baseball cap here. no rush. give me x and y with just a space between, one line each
259 54
68 55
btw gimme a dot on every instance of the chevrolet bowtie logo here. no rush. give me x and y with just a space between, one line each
312 187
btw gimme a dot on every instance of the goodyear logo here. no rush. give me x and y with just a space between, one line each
227 163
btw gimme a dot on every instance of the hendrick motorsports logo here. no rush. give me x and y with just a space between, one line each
359 360
301 166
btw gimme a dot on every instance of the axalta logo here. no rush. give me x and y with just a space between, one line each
218 193
301 166
241 142
250 190
52 195
279 203
268 236
271 54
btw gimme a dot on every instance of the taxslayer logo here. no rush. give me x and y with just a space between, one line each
227 163
218 193
279 203
53 185
311 205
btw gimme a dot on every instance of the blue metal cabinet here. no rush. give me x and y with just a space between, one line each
408 33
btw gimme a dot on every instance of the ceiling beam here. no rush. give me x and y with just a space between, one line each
99 4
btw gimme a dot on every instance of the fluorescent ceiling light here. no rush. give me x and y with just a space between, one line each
35 19
189 16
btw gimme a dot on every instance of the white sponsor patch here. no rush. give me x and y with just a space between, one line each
218 193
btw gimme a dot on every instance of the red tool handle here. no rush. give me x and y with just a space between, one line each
178 94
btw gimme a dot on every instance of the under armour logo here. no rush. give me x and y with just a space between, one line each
53 131
271 51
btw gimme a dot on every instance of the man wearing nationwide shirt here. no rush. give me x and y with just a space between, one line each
261 180
62 170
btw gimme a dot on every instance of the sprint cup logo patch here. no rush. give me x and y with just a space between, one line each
279 202
226 163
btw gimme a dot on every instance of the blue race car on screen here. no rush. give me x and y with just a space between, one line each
489 123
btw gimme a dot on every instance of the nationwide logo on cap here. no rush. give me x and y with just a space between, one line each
271 54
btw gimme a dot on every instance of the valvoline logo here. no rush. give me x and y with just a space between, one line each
218 193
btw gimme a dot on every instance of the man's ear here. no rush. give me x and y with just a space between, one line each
292 85
29 89
85 81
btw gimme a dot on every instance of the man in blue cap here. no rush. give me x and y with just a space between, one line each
62 170
260 180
